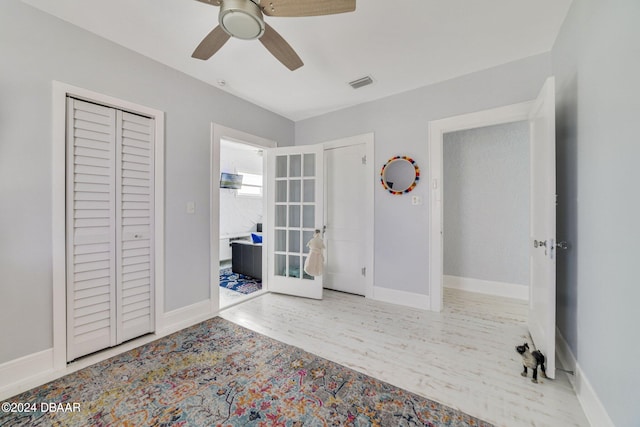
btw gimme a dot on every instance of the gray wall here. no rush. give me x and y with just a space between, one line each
596 60
486 203
35 49
400 124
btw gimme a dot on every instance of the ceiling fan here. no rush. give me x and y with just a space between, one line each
243 19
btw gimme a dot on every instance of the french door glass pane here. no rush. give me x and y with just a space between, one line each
295 166
308 216
281 216
294 266
295 190
309 186
281 191
281 241
294 241
294 216
294 213
281 166
310 164
281 265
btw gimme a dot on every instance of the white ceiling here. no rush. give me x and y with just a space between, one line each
401 44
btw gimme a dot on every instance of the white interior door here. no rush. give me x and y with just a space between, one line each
295 195
110 218
134 226
91 228
345 207
542 298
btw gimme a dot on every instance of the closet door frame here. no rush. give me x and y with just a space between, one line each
60 93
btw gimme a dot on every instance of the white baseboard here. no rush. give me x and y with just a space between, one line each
501 289
184 317
591 404
32 369
565 355
394 296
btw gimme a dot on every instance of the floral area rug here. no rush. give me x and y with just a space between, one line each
217 373
239 282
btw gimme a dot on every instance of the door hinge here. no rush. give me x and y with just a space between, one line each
364 160
364 271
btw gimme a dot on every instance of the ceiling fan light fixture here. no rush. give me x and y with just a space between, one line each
241 19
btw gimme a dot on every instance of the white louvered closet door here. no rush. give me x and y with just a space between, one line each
109 223
134 225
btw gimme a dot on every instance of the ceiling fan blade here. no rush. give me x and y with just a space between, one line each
305 7
280 48
211 44
211 2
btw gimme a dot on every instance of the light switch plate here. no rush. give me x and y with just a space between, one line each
191 207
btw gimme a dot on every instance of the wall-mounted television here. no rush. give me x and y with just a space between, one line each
230 180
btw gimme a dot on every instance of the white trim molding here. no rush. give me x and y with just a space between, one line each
488 287
394 296
219 132
33 370
593 408
25 372
184 317
58 217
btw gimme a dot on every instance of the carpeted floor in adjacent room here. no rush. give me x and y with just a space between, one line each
239 282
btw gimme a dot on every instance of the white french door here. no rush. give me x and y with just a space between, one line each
110 218
542 286
295 192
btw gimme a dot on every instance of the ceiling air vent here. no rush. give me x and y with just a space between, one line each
363 81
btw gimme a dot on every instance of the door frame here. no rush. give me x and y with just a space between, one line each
58 208
219 132
437 129
368 239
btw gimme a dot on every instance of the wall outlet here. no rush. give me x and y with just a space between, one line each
416 200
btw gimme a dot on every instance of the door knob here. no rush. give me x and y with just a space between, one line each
537 243
562 245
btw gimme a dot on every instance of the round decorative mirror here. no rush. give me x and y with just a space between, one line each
400 175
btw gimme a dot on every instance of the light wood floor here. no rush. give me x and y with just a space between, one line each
463 357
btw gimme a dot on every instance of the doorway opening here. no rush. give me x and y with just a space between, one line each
238 210
283 246
241 213
540 114
437 132
486 190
